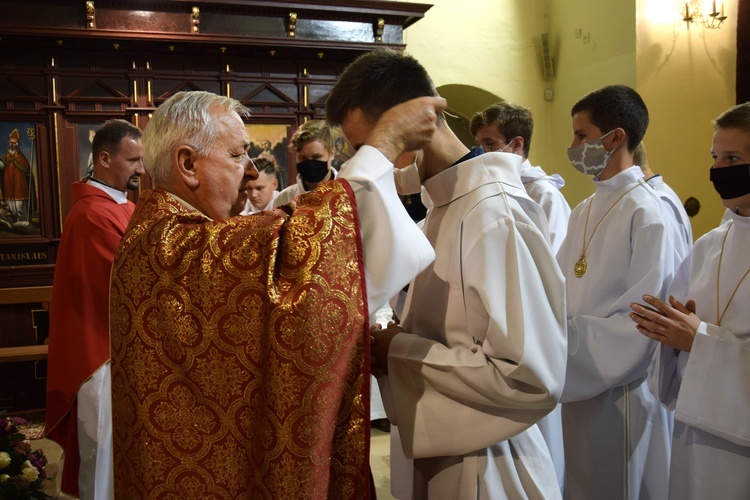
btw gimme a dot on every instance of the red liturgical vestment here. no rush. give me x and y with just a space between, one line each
238 352
79 325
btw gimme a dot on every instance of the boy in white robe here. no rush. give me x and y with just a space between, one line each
506 127
484 355
702 366
262 192
312 144
616 435
680 227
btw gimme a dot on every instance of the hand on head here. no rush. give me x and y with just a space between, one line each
407 126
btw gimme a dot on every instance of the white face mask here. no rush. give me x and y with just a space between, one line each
407 179
591 158
505 147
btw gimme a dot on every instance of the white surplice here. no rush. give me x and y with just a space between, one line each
545 190
95 473
616 434
395 250
680 227
291 192
484 356
708 386
382 318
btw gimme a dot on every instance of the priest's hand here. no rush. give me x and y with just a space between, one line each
673 324
408 126
380 342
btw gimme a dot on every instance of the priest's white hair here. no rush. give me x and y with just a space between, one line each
186 118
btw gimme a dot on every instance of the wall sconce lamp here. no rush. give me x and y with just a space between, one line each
710 20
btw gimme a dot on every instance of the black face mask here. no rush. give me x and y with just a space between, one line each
312 170
731 182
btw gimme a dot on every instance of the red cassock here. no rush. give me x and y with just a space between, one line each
79 316
240 352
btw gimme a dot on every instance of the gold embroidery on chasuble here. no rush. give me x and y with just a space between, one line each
239 364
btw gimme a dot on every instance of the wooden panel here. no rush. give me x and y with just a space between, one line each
64 76
24 295
23 353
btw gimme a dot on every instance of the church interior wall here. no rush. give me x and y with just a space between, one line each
686 76
476 55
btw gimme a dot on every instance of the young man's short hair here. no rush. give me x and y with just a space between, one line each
375 82
616 106
266 166
735 117
510 119
313 130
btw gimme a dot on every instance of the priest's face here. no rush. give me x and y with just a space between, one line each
223 172
125 166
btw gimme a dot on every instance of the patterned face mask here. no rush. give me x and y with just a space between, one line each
591 158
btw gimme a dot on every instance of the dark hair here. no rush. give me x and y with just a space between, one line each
616 106
110 135
510 119
375 82
735 117
264 165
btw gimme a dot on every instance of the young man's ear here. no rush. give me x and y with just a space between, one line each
619 137
185 158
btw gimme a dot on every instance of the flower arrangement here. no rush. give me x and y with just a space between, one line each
22 471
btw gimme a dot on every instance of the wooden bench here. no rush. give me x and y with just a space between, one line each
23 353
26 295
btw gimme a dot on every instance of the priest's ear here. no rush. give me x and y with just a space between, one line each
102 159
185 158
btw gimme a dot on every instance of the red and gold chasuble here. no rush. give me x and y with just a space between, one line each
240 367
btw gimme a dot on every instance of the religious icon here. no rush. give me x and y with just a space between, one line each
342 150
19 174
270 141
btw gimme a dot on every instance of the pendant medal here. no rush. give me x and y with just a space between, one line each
580 268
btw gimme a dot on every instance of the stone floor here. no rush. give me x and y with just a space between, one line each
380 463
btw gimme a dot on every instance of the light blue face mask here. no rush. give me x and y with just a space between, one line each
591 158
